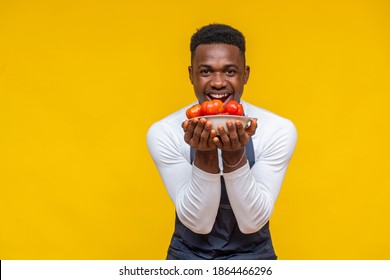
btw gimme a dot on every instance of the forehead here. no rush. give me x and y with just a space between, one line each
217 53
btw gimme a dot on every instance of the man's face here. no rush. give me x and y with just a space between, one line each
218 71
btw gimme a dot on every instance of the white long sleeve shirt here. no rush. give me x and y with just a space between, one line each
252 191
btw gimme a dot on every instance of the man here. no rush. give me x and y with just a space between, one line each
223 184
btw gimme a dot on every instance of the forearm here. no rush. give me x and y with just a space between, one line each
197 203
194 192
253 191
252 204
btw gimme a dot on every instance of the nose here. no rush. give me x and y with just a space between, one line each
218 81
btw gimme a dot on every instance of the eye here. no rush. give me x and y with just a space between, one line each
231 72
204 71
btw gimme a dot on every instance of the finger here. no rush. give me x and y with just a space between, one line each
223 136
212 134
189 132
194 141
205 135
217 141
232 134
251 129
243 137
184 125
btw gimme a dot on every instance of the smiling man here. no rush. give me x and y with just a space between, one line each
224 184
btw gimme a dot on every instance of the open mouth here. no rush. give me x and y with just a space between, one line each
224 97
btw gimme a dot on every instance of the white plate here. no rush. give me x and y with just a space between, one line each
217 120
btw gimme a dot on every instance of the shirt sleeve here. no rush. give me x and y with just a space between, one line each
253 192
195 193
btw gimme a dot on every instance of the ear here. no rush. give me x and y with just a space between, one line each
246 73
191 75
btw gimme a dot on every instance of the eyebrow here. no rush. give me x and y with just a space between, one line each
226 66
231 65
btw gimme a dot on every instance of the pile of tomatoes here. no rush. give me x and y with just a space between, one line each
215 107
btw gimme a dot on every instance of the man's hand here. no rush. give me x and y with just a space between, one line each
237 136
233 142
198 133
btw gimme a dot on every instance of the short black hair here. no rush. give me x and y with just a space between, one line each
217 34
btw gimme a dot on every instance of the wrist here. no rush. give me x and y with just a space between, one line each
233 159
207 160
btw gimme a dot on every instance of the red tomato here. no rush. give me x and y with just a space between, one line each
209 108
232 107
204 107
215 107
218 103
240 111
194 111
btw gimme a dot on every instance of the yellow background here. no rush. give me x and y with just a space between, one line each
82 81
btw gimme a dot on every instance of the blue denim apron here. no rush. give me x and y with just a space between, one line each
225 241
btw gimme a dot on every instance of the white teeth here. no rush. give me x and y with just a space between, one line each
219 96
